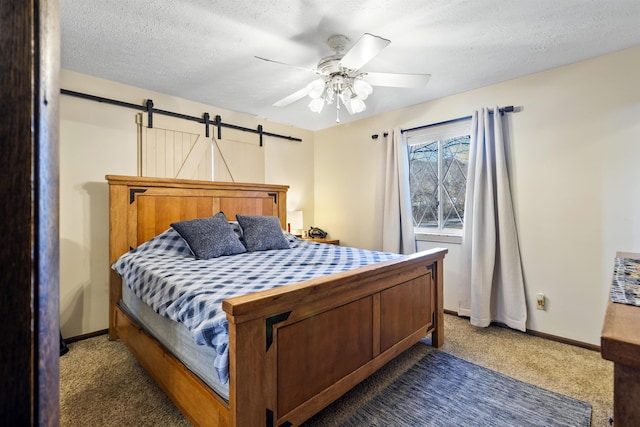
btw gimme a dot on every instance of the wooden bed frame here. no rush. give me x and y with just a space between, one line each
286 360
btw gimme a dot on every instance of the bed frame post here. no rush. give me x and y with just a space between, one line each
118 201
248 388
437 336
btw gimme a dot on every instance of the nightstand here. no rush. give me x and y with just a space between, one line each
323 240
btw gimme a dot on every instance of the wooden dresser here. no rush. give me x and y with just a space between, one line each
620 343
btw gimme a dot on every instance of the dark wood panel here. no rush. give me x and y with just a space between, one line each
318 351
29 334
403 310
626 389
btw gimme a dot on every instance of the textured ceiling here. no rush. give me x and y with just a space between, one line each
203 50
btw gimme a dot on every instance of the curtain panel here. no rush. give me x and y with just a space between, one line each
397 220
492 287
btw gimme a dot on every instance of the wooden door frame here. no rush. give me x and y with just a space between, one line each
29 254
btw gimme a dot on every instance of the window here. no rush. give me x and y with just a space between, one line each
438 163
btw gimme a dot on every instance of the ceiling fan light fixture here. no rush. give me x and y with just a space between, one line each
350 91
316 104
316 88
357 105
338 83
347 93
328 95
345 97
342 79
362 88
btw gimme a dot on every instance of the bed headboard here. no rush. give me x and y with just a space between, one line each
142 207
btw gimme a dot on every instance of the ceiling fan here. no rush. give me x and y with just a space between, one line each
341 79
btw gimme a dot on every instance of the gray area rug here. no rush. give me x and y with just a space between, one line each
443 390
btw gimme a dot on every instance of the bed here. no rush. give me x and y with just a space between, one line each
275 335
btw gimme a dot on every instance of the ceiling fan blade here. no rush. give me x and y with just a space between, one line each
365 49
288 65
292 98
397 80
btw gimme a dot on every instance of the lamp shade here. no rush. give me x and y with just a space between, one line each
294 218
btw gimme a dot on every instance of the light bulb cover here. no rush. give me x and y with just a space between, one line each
362 88
329 95
316 88
316 105
357 105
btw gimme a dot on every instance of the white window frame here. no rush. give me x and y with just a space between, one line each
439 133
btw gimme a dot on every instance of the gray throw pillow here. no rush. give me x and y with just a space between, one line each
210 237
262 233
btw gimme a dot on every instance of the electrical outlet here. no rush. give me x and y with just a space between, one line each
541 301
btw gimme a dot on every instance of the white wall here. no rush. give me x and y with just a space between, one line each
575 169
97 139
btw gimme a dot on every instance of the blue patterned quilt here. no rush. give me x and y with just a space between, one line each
164 274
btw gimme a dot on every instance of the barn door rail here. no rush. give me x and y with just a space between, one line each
205 119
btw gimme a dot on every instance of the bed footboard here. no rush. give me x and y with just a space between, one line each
304 346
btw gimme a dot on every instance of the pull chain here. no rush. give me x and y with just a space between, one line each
338 108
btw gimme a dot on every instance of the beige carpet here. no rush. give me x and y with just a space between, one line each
102 385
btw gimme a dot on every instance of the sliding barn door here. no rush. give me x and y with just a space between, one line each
174 148
238 157
178 148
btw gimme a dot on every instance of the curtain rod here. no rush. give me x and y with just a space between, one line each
507 109
205 119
